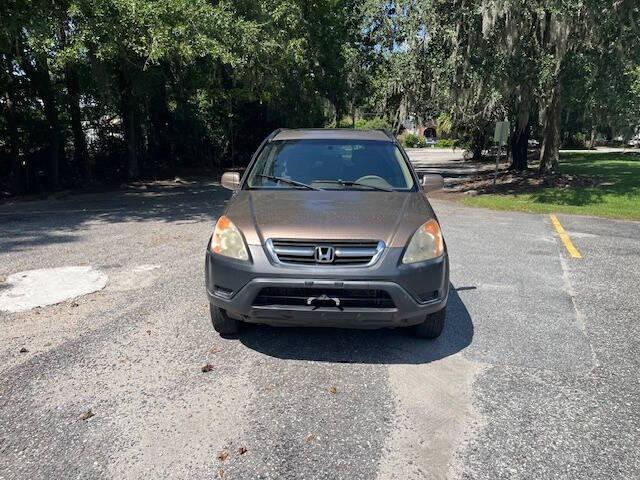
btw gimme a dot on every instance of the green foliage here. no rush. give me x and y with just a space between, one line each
155 86
616 196
411 140
117 89
577 141
375 123
444 125
447 143
567 66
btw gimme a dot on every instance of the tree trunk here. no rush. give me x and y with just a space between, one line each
520 138
556 45
396 122
128 107
519 148
38 74
80 154
592 141
12 127
232 144
550 153
161 131
57 154
478 144
353 111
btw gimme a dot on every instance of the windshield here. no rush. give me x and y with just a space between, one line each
331 165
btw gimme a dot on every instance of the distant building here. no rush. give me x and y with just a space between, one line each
423 127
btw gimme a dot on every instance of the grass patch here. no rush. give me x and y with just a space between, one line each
616 196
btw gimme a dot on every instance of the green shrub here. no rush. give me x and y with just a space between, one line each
343 123
444 124
375 123
447 143
578 141
411 140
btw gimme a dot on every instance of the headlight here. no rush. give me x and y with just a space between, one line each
228 241
426 243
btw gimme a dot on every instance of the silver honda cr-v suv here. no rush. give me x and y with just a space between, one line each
328 228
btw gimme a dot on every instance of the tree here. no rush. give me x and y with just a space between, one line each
123 89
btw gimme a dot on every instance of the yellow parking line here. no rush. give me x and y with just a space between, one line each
573 251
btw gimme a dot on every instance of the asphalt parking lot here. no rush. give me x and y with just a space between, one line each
535 376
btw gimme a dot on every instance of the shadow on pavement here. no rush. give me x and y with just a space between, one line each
25 225
391 346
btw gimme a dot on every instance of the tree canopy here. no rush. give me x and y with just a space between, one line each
113 90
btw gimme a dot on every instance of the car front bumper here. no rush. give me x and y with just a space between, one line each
415 290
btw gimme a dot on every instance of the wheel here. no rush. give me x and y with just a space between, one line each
432 326
222 323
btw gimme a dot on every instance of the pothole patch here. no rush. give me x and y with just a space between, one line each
48 286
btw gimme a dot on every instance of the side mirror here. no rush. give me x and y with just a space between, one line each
432 182
230 180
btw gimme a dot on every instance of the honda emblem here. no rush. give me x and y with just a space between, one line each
325 254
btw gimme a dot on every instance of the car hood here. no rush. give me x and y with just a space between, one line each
329 215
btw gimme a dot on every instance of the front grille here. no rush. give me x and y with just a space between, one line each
345 252
322 297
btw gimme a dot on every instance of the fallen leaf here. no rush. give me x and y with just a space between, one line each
87 415
310 437
242 450
215 349
207 368
223 455
23 350
221 473
333 389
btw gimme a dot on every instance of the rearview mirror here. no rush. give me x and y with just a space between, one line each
230 180
432 182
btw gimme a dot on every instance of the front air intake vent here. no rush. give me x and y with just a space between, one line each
312 297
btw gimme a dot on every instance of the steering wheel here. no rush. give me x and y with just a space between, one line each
374 181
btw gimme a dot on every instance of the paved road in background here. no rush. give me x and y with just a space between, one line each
535 376
449 163
430 156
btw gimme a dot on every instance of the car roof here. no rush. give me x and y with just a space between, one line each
332 134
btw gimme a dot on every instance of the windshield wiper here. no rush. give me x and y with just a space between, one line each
347 183
286 180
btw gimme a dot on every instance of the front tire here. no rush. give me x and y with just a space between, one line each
432 326
222 323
